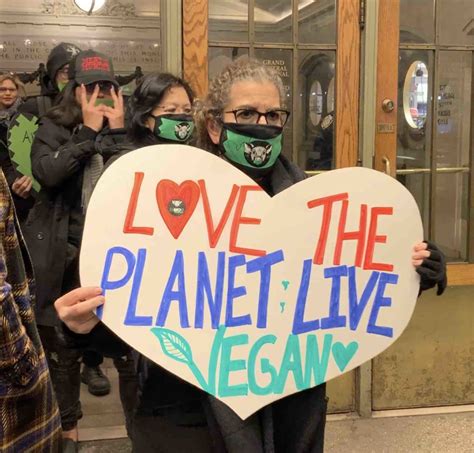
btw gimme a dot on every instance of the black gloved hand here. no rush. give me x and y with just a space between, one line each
433 270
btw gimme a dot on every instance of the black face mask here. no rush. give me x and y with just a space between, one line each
253 148
173 128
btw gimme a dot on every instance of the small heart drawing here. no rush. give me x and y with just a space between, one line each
176 203
343 354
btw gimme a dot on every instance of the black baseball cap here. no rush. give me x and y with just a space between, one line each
90 66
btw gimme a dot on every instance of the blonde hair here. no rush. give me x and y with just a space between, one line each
212 108
15 80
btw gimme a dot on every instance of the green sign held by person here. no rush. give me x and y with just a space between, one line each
21 133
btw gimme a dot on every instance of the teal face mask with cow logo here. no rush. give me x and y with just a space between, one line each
173 127
253 148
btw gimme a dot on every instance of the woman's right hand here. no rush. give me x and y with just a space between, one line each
92 115
22 186
76 308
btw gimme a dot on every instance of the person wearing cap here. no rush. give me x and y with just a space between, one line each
67 156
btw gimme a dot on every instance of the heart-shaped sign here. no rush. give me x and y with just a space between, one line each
248 297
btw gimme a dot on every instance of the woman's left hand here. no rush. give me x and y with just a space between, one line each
430 263
115 115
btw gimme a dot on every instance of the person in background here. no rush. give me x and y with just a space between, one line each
52 85
20 186
54 81
244 104
159 112
29 415
67 158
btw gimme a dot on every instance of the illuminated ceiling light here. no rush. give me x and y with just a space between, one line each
89 6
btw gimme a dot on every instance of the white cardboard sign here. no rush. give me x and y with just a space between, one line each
248 297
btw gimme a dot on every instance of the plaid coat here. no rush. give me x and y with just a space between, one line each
29 416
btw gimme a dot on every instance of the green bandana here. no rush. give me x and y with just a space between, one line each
174 128
61 86
104 101
251 146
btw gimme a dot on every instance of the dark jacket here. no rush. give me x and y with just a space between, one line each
54 225
39 105
295 423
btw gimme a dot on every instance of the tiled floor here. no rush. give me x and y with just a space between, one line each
450 433
103 415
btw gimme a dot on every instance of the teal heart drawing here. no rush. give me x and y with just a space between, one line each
343 354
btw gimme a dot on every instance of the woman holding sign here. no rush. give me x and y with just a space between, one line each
242 121
20 185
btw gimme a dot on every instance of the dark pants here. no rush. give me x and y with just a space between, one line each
156 434
128 388
92 359
64 366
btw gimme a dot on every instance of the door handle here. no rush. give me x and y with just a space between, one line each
386 162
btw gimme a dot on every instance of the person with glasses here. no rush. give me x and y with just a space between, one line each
242 120
67 155
52 85
10 103
246 122
53 81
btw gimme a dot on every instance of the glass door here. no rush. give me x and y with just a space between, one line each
428 145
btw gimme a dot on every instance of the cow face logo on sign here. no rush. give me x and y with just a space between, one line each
248 297
257 153
176 207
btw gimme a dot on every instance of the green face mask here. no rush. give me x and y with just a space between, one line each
61 86
173 128
254 148
103 101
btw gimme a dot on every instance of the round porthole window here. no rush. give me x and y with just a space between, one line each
415 95
89 6
315 103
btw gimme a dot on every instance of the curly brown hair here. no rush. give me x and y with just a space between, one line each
217 98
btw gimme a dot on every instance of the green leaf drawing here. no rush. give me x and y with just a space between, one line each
20 138
176 347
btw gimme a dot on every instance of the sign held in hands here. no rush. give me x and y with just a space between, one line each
248 297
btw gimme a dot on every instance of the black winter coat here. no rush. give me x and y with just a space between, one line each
58 157
294 424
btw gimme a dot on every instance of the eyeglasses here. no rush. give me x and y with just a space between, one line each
276 117
63 71
5 89
104 87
